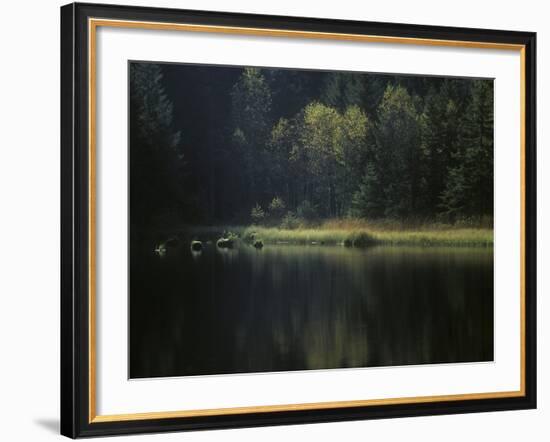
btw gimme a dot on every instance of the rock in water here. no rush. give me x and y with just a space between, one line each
196 246
160 250
225 243
258 244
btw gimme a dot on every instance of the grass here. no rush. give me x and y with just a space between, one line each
358 233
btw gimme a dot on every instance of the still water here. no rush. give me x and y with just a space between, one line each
307 307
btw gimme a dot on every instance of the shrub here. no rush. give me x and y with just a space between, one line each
257 214
231 236
363 239
249 235
359 239
291 221
277 208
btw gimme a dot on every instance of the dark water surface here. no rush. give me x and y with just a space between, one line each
307 307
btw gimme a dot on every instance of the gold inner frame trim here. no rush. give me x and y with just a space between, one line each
93 24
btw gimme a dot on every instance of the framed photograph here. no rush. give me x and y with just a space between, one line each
278 220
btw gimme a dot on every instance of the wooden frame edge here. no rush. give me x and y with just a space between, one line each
303 407
263 32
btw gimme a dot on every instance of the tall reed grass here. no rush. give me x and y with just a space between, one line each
356 232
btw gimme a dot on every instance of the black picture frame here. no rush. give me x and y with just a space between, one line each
75 221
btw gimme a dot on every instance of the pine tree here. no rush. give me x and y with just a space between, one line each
469 189
397 155
251 109
155 158
343 89
368 201
440 122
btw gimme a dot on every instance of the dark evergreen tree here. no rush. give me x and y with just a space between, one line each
344 89
440 124
155 158
394 179
251 108
368 201
469 189
292 90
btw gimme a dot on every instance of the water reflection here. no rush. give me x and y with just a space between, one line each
295 308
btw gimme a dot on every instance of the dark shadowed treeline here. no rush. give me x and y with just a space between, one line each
238 145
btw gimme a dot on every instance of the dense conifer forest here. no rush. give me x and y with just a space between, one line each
214 145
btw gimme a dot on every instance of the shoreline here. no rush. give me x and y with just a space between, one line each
369 237
350 236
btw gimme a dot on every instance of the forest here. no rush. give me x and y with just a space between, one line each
295 149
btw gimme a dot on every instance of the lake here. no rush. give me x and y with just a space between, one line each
288 307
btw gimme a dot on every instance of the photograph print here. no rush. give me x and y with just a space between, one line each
290 219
